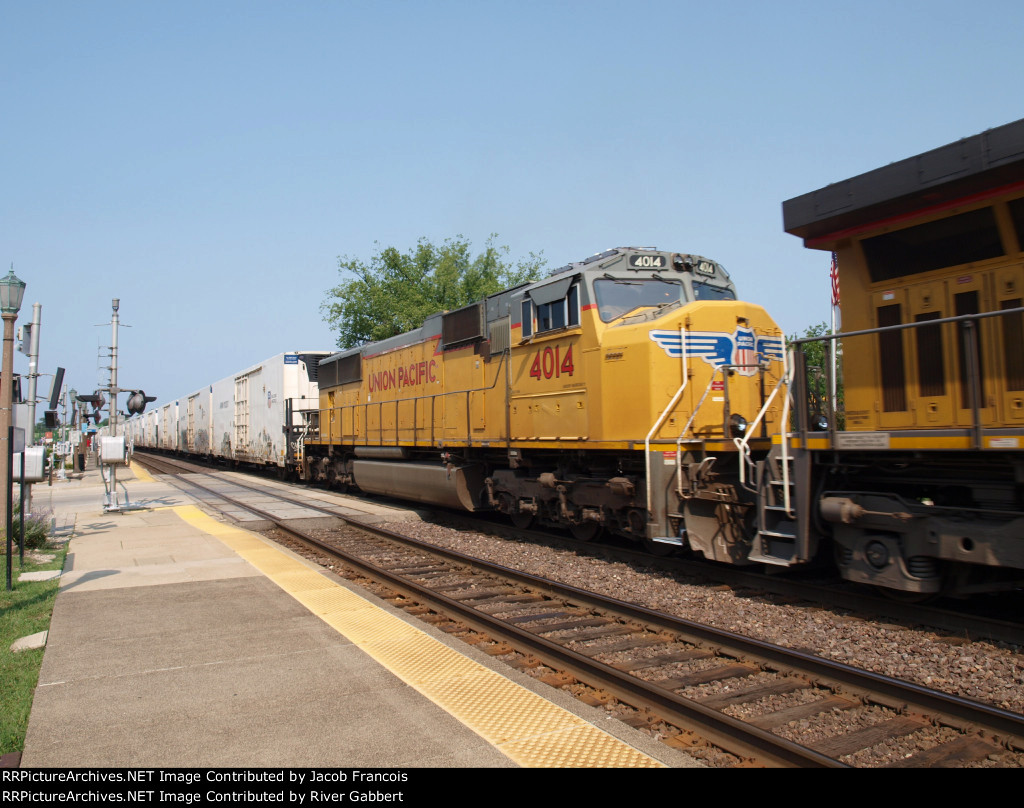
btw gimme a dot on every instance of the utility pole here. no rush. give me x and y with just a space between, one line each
112 503
33 371
33 383
113 369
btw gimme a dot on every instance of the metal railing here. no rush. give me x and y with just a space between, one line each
970 373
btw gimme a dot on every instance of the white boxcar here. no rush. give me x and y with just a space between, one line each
222 416
168 439
268 401
133 430
150 428
197 423
255 415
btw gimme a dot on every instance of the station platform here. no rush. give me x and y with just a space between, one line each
180 641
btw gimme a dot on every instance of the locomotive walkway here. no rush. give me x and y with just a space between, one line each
180 641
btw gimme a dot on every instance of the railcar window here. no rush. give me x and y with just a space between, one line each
1013 338
708 291
949 242
1017 214
930 374
616 298
890 350
967 303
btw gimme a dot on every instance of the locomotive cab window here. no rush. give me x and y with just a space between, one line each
545 314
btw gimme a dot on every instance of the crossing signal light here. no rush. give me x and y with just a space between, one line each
138 400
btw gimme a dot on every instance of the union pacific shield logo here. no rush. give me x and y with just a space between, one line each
742 347
745 354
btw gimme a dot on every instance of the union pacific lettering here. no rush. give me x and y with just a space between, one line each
405 376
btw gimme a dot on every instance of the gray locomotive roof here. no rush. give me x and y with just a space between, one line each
980 163
498 304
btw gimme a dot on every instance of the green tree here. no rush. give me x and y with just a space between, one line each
395 292
819 360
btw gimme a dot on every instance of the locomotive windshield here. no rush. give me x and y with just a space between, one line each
618 297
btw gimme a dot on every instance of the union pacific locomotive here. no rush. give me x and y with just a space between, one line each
630 393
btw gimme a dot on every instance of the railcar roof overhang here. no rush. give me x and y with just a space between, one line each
967 170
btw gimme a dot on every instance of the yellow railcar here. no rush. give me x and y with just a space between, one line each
922 488
630 392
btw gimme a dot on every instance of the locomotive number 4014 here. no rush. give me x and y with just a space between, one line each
552 363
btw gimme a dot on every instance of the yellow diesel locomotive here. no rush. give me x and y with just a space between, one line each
630 393
918 480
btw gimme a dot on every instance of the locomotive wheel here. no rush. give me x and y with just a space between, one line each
585 531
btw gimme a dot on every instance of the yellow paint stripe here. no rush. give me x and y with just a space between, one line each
141 474
527 728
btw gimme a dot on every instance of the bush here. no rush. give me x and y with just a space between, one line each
37 527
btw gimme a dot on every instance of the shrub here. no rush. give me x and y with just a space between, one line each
37 527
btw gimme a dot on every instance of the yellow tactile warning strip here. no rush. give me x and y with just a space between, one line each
530 730
141 474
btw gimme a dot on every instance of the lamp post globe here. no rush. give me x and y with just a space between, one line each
12 291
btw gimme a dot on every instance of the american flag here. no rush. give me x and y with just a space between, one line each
835 281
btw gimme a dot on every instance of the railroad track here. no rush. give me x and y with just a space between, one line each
962 619
693 684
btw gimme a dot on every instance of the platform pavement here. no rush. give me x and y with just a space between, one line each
180 642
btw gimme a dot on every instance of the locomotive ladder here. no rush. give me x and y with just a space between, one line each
783 530
784 535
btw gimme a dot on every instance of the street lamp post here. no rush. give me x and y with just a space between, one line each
12 290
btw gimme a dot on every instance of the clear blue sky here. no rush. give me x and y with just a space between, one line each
208 162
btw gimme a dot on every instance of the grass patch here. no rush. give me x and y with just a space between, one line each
23 611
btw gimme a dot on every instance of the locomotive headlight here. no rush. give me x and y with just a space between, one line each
819 423
737 425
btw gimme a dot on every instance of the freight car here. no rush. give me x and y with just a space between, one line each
258 417
630 393
922 490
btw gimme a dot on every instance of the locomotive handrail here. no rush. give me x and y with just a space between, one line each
743 444
969 345
682 435
960 318
661 420
784 431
